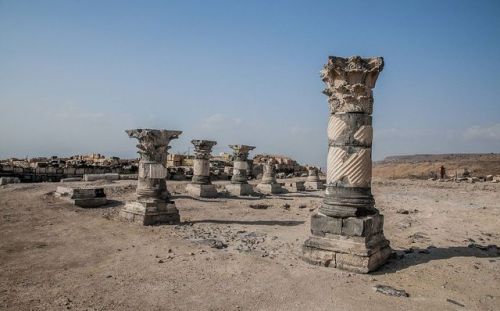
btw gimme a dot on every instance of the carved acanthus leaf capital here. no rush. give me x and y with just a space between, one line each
153 144
240 152
349 83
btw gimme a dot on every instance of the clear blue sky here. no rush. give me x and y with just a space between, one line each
75 74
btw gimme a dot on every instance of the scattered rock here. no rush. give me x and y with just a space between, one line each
286 206
259 206
455 302
391 291
160 261
301 206
402 211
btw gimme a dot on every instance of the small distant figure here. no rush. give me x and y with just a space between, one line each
466 173
442 172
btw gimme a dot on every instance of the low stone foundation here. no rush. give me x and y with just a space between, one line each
83 197
270 188
150 213
201 190
239 189
355 244
314 185
295 186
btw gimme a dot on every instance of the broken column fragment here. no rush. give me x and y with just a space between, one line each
347 231
313 182
239 181
200 185
153 204
268 184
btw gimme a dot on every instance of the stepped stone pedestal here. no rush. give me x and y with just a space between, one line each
200 185
268 184
347 232
239 181
313 182
153 204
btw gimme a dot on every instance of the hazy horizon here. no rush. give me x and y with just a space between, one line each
75 75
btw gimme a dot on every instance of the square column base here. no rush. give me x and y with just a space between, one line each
355 244
239 189
151 213
202 191
314 185
270 188
295 186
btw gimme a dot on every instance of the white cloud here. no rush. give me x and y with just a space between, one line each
482 132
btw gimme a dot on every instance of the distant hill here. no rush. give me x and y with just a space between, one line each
425 165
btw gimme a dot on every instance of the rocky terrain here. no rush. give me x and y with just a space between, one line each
423 166
244 253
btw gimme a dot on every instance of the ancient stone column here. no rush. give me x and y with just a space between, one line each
313 182
153 204
201 185
268 184
347 232
239 181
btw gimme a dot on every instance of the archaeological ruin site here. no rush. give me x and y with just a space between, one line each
249 156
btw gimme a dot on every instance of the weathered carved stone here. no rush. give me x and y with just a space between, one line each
239 181
201 185
347 232
153 204
268 183
313 182
87 196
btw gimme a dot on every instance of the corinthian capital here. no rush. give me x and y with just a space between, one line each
349 83
153 144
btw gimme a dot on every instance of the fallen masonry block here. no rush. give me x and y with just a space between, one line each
107 176
72 179
129 176
82 196
9 180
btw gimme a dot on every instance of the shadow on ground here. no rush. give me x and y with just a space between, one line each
422 256
250 222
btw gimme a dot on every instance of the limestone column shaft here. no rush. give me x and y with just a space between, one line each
240 163
153 149
201 163
349 83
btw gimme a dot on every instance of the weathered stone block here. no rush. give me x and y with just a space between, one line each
314 185
270 188
83 197
362 226
151 213
295 186
363 264
322 224
239 189
319 257
200 190
9 180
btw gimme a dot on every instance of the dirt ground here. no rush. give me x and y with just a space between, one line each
57 256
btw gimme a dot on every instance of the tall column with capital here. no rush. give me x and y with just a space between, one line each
153 204
268 184
201 185
347 231
239 181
